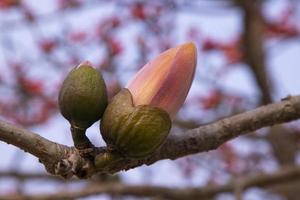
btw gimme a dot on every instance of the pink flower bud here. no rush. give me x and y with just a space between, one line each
165 81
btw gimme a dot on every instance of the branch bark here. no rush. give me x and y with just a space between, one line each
253 40
24 176
67 161
261 180
57 158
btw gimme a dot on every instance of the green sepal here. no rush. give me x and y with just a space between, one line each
102 161
135 132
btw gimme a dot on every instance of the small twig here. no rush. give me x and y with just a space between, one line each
238 189
23 176
261 180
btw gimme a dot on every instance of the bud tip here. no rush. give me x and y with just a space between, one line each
86 63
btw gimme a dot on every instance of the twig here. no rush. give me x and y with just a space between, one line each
253 40
261 180
29 176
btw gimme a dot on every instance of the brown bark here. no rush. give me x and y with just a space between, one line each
253 46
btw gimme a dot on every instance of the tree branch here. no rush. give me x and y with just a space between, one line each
253 40
23 176
67 161
57 158
28 141
261 180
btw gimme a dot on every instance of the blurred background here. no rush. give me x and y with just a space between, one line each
248 55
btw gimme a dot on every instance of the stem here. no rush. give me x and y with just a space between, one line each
81 141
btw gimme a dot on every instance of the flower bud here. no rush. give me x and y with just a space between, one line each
138 119
82 97
165 81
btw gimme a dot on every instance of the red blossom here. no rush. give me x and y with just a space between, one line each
115 22
48 45
284 25
47 108
233 54
64 4
78 36
231 50
138 11
9 3
212 100
30 86
29 16
210 44
114 46
281 30
111 22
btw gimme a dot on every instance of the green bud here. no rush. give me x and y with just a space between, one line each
82 97
134 132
